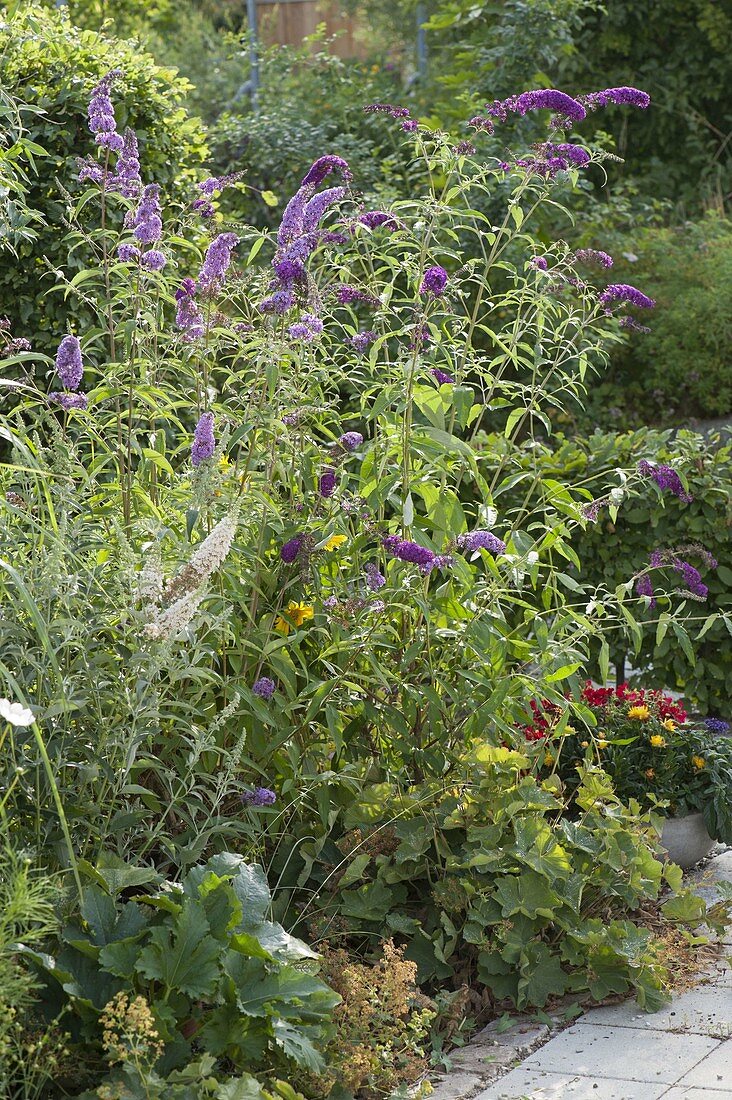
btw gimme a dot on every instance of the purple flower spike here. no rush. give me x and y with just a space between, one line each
575 154
351 440
279 302
374 219
264 687
717 726
327 483
69 400
666 478
323 167
146 221
188 316
69 366
100 113
593 256
217 261
434 281
127 176
291 549
692 579
204 443
481 540
545 98
317 206
409 551
539 262
289 271
308 329
482 124
260 796
622 292
634 97
552 100
442 378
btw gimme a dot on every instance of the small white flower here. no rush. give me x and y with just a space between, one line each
15 713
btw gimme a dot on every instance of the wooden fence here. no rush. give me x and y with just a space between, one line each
288 22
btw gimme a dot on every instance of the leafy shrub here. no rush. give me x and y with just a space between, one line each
50 65
682 368
492 882
193 965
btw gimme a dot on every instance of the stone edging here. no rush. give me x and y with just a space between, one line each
489 1055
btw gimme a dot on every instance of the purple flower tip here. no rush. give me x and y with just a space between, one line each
260 796
374 579
622 292
323 167
351 440
327 483
69 400
481 540
434 280
644 587
69 366
291 549
264 687
442 378
204 444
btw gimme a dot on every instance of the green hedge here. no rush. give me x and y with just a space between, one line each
683 367
612 551
48 63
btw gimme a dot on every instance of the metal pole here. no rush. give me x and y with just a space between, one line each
253 53
421 41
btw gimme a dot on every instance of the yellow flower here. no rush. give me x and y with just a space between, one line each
225 464
601 743
296 614
548 759
334 542
585 744
657 741
669 725
641 713
698 762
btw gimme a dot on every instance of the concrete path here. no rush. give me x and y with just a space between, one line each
683 1052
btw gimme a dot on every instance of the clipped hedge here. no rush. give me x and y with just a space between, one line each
47 63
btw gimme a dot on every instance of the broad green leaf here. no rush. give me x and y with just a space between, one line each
185 957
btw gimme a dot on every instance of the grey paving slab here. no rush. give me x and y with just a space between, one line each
706 1010
539 1085
622 1052
455 1085
714 1072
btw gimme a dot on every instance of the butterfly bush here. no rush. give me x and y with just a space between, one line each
289 482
